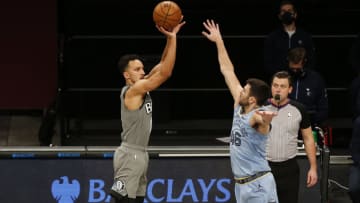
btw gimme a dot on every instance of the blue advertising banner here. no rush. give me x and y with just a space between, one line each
198 179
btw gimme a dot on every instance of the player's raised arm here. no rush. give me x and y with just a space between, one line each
163 70
226 66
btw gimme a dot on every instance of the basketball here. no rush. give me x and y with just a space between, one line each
167 14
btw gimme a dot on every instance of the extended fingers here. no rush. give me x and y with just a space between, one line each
210 24
266 113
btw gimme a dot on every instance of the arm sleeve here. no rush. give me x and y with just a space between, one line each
305 119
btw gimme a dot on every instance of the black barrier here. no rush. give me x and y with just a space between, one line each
25 152
90 152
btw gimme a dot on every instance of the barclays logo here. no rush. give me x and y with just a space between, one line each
65 191
158 190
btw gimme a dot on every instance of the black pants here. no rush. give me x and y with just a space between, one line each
354 183
286 175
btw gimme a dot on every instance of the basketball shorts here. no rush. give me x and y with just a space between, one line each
130 168
259 190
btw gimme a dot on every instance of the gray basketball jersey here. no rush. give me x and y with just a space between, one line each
136 124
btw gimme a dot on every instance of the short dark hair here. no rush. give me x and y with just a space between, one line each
297 55
124 61
282 75
259 89
287 2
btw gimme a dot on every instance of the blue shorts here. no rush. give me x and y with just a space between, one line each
259 190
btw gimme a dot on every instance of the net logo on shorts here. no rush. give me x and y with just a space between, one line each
120 185
65 191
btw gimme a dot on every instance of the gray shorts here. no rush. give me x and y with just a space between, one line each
130 168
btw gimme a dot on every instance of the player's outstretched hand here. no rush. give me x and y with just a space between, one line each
214 30
267 116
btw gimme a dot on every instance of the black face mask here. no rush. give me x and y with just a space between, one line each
296 74
287 18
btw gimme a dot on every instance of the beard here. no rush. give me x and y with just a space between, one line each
244 102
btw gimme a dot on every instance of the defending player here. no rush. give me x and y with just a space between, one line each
251 125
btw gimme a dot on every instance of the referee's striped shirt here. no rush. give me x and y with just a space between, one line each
282 141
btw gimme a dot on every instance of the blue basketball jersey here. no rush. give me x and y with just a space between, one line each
247 146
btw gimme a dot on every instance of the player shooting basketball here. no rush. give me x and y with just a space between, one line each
131 158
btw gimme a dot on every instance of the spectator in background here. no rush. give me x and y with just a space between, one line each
354 177
308 87
355 86
288 36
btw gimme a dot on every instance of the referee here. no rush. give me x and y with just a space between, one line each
282 143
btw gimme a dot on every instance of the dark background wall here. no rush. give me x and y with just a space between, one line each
96 33
92 35
28 54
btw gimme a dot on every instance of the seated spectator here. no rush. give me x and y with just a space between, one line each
355 85
308 87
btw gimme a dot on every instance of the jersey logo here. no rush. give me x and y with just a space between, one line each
120 185
148 107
